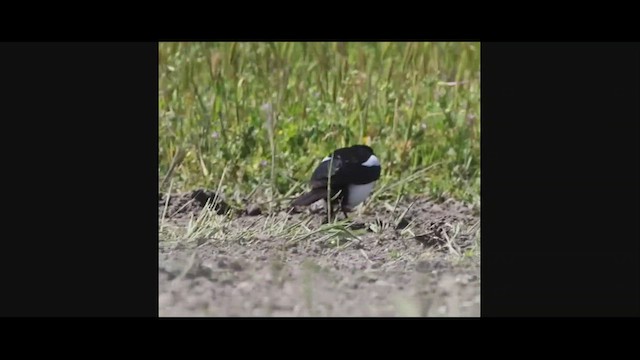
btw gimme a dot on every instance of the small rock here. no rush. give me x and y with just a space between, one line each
262 237
207 271
368 278
245 286
316 207
253 210
201 197
235 266
356 226
423 266
404 222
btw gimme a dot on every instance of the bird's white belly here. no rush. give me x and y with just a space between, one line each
359 193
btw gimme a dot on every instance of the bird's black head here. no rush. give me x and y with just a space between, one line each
363 149
356 154
359 152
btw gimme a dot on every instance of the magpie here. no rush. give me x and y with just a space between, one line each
349 173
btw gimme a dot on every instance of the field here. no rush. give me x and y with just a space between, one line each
241 127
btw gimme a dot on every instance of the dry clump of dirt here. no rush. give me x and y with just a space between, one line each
190 203
424 264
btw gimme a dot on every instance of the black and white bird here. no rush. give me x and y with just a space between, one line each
349 172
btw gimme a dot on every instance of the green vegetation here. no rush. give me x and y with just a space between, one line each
264 114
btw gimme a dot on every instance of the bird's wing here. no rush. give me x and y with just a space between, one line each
310 197
342 169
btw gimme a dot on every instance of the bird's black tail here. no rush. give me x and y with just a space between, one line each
310 197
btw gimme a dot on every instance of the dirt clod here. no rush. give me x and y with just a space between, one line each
190 203
253 210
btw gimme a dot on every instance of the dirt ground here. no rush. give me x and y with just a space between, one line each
426 263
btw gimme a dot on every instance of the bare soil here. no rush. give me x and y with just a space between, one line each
426 263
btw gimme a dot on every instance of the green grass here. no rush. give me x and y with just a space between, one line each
265 113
